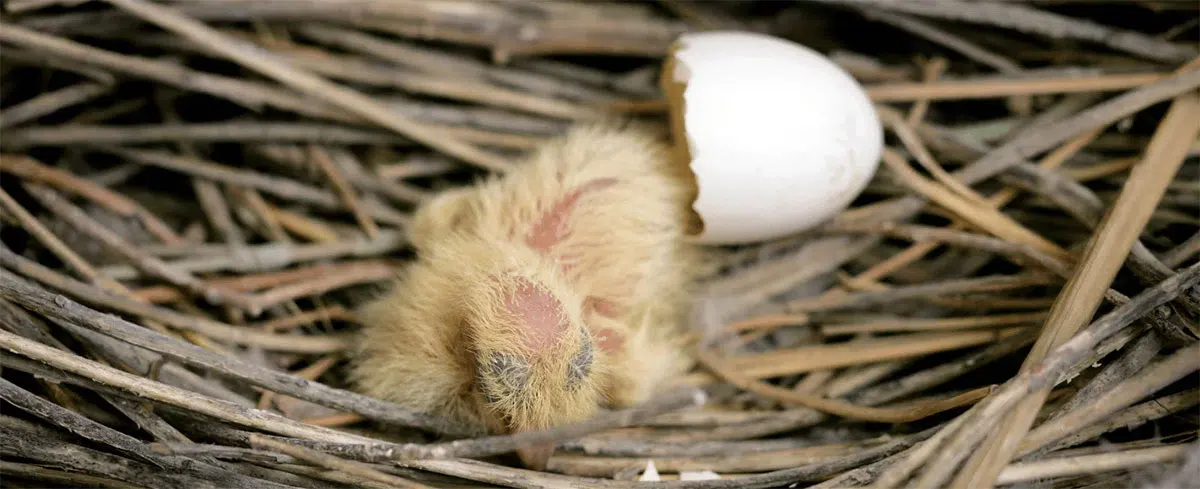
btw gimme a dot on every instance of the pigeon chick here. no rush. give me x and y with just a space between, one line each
544 294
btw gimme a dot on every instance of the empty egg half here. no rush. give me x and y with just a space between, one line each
778 137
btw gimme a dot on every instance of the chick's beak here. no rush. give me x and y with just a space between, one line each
535 457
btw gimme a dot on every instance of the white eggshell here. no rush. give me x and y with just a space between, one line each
781 138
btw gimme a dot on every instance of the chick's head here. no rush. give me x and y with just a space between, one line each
535 361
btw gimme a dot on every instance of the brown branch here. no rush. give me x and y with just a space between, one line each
366 272
98 433
332 462
1039 139
1179 254
67 478
273 256
958 44
1092 464
800 359
929 291
50 102
837 407
961 238
237 131
307 83
1132 360
31 170
1128 419
1030 20
255 96
344 190
67 211
279 186
1156 376
447 64
213 329
54 244
379 452
166 394
26 441
253 282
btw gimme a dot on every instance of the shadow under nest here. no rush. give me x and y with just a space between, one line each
1012 302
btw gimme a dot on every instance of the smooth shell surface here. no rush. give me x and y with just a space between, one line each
780 138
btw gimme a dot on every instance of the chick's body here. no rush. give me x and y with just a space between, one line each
540 295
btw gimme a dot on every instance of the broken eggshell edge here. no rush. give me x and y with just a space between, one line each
774 137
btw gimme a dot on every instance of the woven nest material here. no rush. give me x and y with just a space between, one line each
196 194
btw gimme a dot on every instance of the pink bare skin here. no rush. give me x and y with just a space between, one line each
540 296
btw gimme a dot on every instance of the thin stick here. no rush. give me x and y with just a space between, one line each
1179 254
954 323
253 200
50 102
1044 138
236 131
332 462
1128 419
364 273
589 465
788 361
990 88
837 407
166 394
98 433
931 234
79 425
274 256
250 95
1103 258
55 245
494 474
1132 360
901 469
255 96
68 479
933 33
344 190
305 82
278 186
494 445
1156 376
969 210
1090 464
926 290
251 282
149 264
30 169
303 226
333 313
45 447
908 136
1026 19
204 326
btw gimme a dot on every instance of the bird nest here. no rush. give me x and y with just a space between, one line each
197 194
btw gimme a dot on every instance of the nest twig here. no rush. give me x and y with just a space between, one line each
195 196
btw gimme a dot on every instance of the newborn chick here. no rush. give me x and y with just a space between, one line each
539 296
